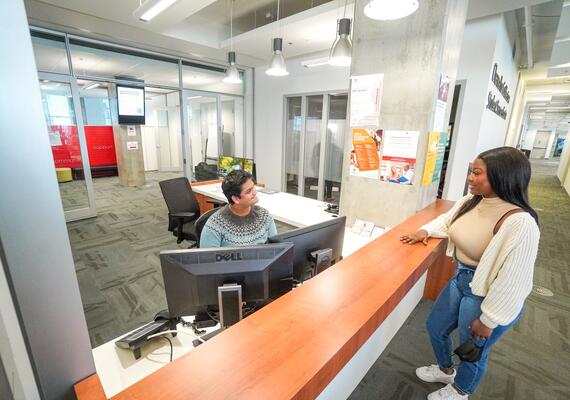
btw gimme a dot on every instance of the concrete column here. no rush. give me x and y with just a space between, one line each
128 148
411 53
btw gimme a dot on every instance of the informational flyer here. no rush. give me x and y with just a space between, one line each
364 159
441 103
439 116
132 145
365 96
399 156
434 157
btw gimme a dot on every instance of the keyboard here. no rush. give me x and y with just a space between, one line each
136 339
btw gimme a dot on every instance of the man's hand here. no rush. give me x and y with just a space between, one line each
419 236
479 330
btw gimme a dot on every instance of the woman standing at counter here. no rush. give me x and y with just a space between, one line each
493 235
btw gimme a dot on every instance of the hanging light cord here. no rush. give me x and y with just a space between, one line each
231 25
344 13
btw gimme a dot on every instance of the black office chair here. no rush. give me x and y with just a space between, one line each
200 222
183 208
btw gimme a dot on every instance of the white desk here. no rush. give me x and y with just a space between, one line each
118 369
294 210
289 208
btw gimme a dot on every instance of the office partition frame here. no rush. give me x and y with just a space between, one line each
91 210
217 97
248 131
323 137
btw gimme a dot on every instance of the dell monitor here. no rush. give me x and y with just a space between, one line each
316 247
197 280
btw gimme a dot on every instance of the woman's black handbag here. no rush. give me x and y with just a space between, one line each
469 351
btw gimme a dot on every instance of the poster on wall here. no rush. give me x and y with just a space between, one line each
364 159
443 91
365 96
441 103
434 157
399 156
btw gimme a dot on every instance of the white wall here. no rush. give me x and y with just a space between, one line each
269 109
485 42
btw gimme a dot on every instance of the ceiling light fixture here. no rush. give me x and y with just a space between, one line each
385 10
277 66
232 73
151 8
341 51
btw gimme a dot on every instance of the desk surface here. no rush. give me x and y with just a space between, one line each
286 207
296 345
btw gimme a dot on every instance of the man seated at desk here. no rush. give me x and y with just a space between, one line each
241 222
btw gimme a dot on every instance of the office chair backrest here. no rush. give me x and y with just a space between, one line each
202 221
179 197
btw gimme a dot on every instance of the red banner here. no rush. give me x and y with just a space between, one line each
67 153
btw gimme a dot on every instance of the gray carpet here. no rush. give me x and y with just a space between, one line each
116 255
532 361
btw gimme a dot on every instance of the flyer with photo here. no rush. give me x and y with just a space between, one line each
364 158
399 156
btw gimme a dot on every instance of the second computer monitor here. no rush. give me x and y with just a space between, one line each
311 239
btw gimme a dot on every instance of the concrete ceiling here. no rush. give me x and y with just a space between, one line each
200 28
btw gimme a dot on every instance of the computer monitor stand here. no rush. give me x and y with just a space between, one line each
231 309
321 260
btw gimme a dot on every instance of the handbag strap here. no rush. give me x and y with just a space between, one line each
504 217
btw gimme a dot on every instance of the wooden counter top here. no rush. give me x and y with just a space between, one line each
295 346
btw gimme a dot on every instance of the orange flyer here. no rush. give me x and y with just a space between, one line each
365 150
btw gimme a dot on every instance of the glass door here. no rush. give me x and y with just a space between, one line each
233 126
293 127
215 125
67 140
335 134
312 148
315 129
203 124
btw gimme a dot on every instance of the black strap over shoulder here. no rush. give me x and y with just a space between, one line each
504 217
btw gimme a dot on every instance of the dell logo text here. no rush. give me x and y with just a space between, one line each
228 257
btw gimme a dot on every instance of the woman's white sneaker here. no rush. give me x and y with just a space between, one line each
447 393
432 373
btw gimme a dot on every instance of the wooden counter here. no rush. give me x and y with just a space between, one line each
294 347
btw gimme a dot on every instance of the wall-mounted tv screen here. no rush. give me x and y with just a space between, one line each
130 102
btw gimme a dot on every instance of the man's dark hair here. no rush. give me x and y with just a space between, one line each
231 186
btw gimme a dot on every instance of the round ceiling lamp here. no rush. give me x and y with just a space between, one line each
385 10
341 51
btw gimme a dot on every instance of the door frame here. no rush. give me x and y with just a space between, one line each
91 210
185 93
322 153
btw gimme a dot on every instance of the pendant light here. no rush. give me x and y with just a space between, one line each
232 73
277 65
341 51
385 10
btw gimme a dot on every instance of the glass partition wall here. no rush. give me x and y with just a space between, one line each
315 129
192 116
68 145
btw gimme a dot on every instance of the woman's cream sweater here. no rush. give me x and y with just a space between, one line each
504 273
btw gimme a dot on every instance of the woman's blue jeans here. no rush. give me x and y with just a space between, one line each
457 307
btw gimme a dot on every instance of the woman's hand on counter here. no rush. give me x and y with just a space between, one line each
412 238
